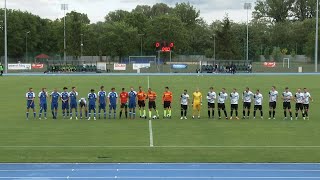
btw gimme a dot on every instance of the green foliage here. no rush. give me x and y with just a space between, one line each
288 24
276 54
227 49
293 53
120 39
266 53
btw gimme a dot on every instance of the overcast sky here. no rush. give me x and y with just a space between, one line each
97 9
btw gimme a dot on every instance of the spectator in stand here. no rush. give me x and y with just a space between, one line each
233 68
216 68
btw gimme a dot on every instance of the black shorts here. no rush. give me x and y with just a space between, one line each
124 105
299 106
286 105
234 107
272 105
166 104
184 107
246 105
221 106
152 105
141 104
211 105
258 107
305 106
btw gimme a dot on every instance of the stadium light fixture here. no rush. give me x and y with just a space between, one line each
247 6
5 39
27 33
317 38
64 7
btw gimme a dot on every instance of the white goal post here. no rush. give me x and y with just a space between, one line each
286 61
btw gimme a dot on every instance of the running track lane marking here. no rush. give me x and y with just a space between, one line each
152 145
116 177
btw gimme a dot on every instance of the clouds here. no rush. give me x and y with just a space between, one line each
97 9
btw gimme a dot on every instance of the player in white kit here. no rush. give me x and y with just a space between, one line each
299 99
234 98
273 97
258 98
211 97
184 101
306 103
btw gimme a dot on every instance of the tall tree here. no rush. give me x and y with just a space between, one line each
76 25
277 10
117 16
169 29
160 9
304 9
226 42
121 39
187 13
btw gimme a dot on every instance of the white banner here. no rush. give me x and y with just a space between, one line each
19 66
140 66
102 66
119 67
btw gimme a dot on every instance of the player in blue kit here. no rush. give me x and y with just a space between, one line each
65 102
102 101
113 100
55 95
132 103
92 98
30 102
43 95
73 102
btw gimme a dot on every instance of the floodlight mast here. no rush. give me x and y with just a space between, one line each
64 7
247 6
5 39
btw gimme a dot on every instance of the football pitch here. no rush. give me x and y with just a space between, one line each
162 140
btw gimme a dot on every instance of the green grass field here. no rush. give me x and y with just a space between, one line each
175 140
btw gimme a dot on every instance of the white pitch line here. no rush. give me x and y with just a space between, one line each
150 133
152 145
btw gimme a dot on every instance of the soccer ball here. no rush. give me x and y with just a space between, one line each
168 116
154 117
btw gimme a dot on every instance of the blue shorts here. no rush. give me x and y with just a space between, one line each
92 107
102 106
65 105
44 106
132 105
54 106
30 104
113 106
73 106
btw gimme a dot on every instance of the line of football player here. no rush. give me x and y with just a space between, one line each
130 100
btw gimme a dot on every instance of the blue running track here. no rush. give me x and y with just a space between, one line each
154 171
